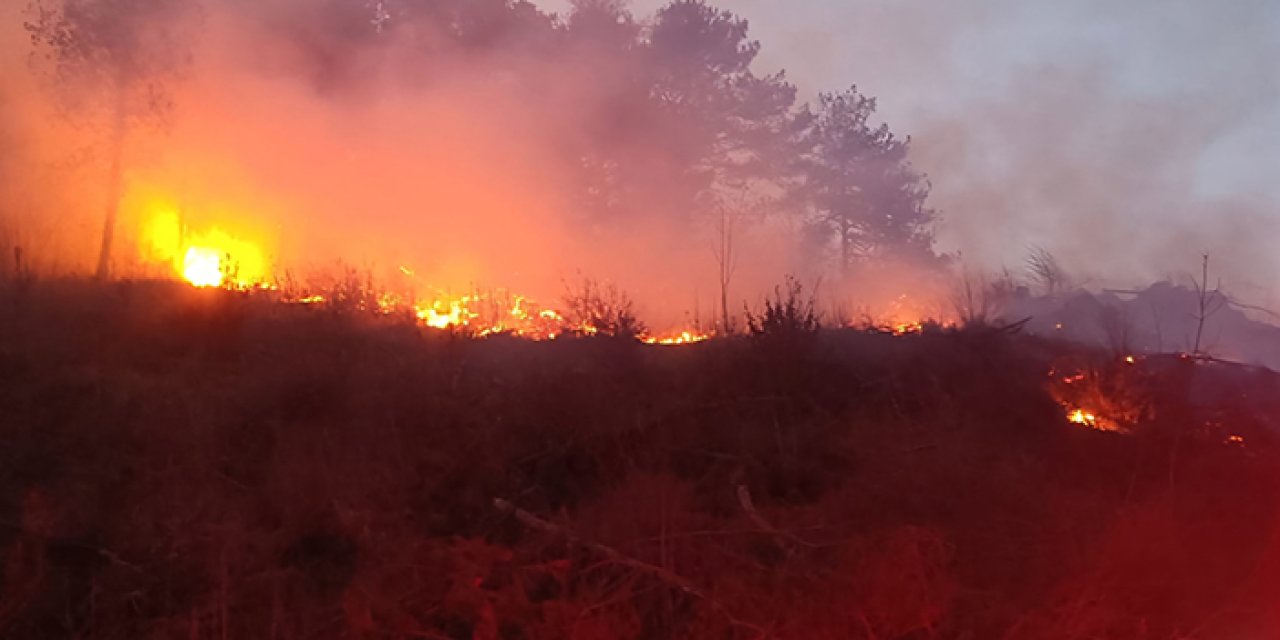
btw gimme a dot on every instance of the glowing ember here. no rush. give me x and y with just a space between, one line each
684 337
1080 416
906 328
202 267
1087 418
901 317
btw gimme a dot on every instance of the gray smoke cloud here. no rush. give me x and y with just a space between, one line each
1126 137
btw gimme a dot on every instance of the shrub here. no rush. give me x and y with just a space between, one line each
788 313
595 308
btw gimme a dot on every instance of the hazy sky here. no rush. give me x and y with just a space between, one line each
1142 129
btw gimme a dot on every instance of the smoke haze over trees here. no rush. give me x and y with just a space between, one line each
480 141
513 143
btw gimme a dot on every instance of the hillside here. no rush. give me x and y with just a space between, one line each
207 464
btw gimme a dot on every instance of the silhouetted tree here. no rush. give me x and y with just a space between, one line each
857 184
109 62
683 115
725 122
473 26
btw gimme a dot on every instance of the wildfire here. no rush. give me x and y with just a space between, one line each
1103 396
1086 418
202 267
905 328
684 337
443 314
214 257
205 258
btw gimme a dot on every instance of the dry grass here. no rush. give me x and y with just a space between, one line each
203 464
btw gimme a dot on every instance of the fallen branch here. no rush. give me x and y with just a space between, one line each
749 507
672 579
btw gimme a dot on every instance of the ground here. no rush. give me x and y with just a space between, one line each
203 463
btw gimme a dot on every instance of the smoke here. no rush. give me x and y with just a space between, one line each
1127 138
297 127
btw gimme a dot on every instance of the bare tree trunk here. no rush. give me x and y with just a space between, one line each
725 260
115 188
846 253
1206 302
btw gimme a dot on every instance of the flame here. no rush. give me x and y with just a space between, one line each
202 267
445 314
206 258
213 257
1086 418
902 316
905 328
684 337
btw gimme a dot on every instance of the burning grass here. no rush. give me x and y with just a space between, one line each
186 462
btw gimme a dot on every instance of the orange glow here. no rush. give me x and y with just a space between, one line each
214 257
205 258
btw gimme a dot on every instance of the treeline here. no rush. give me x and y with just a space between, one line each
681 123
677 121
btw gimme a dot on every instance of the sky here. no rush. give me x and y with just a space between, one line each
1128 137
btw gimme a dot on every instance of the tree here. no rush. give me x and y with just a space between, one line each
727 123
681 114
473 26
726 264
1208 303
109 61
857 184
1044 269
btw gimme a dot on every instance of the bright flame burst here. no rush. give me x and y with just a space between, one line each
1086 418
202 267
205 258
684 337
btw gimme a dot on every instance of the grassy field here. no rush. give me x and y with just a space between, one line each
181 463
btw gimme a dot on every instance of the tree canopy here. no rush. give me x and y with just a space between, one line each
855 184
674 120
